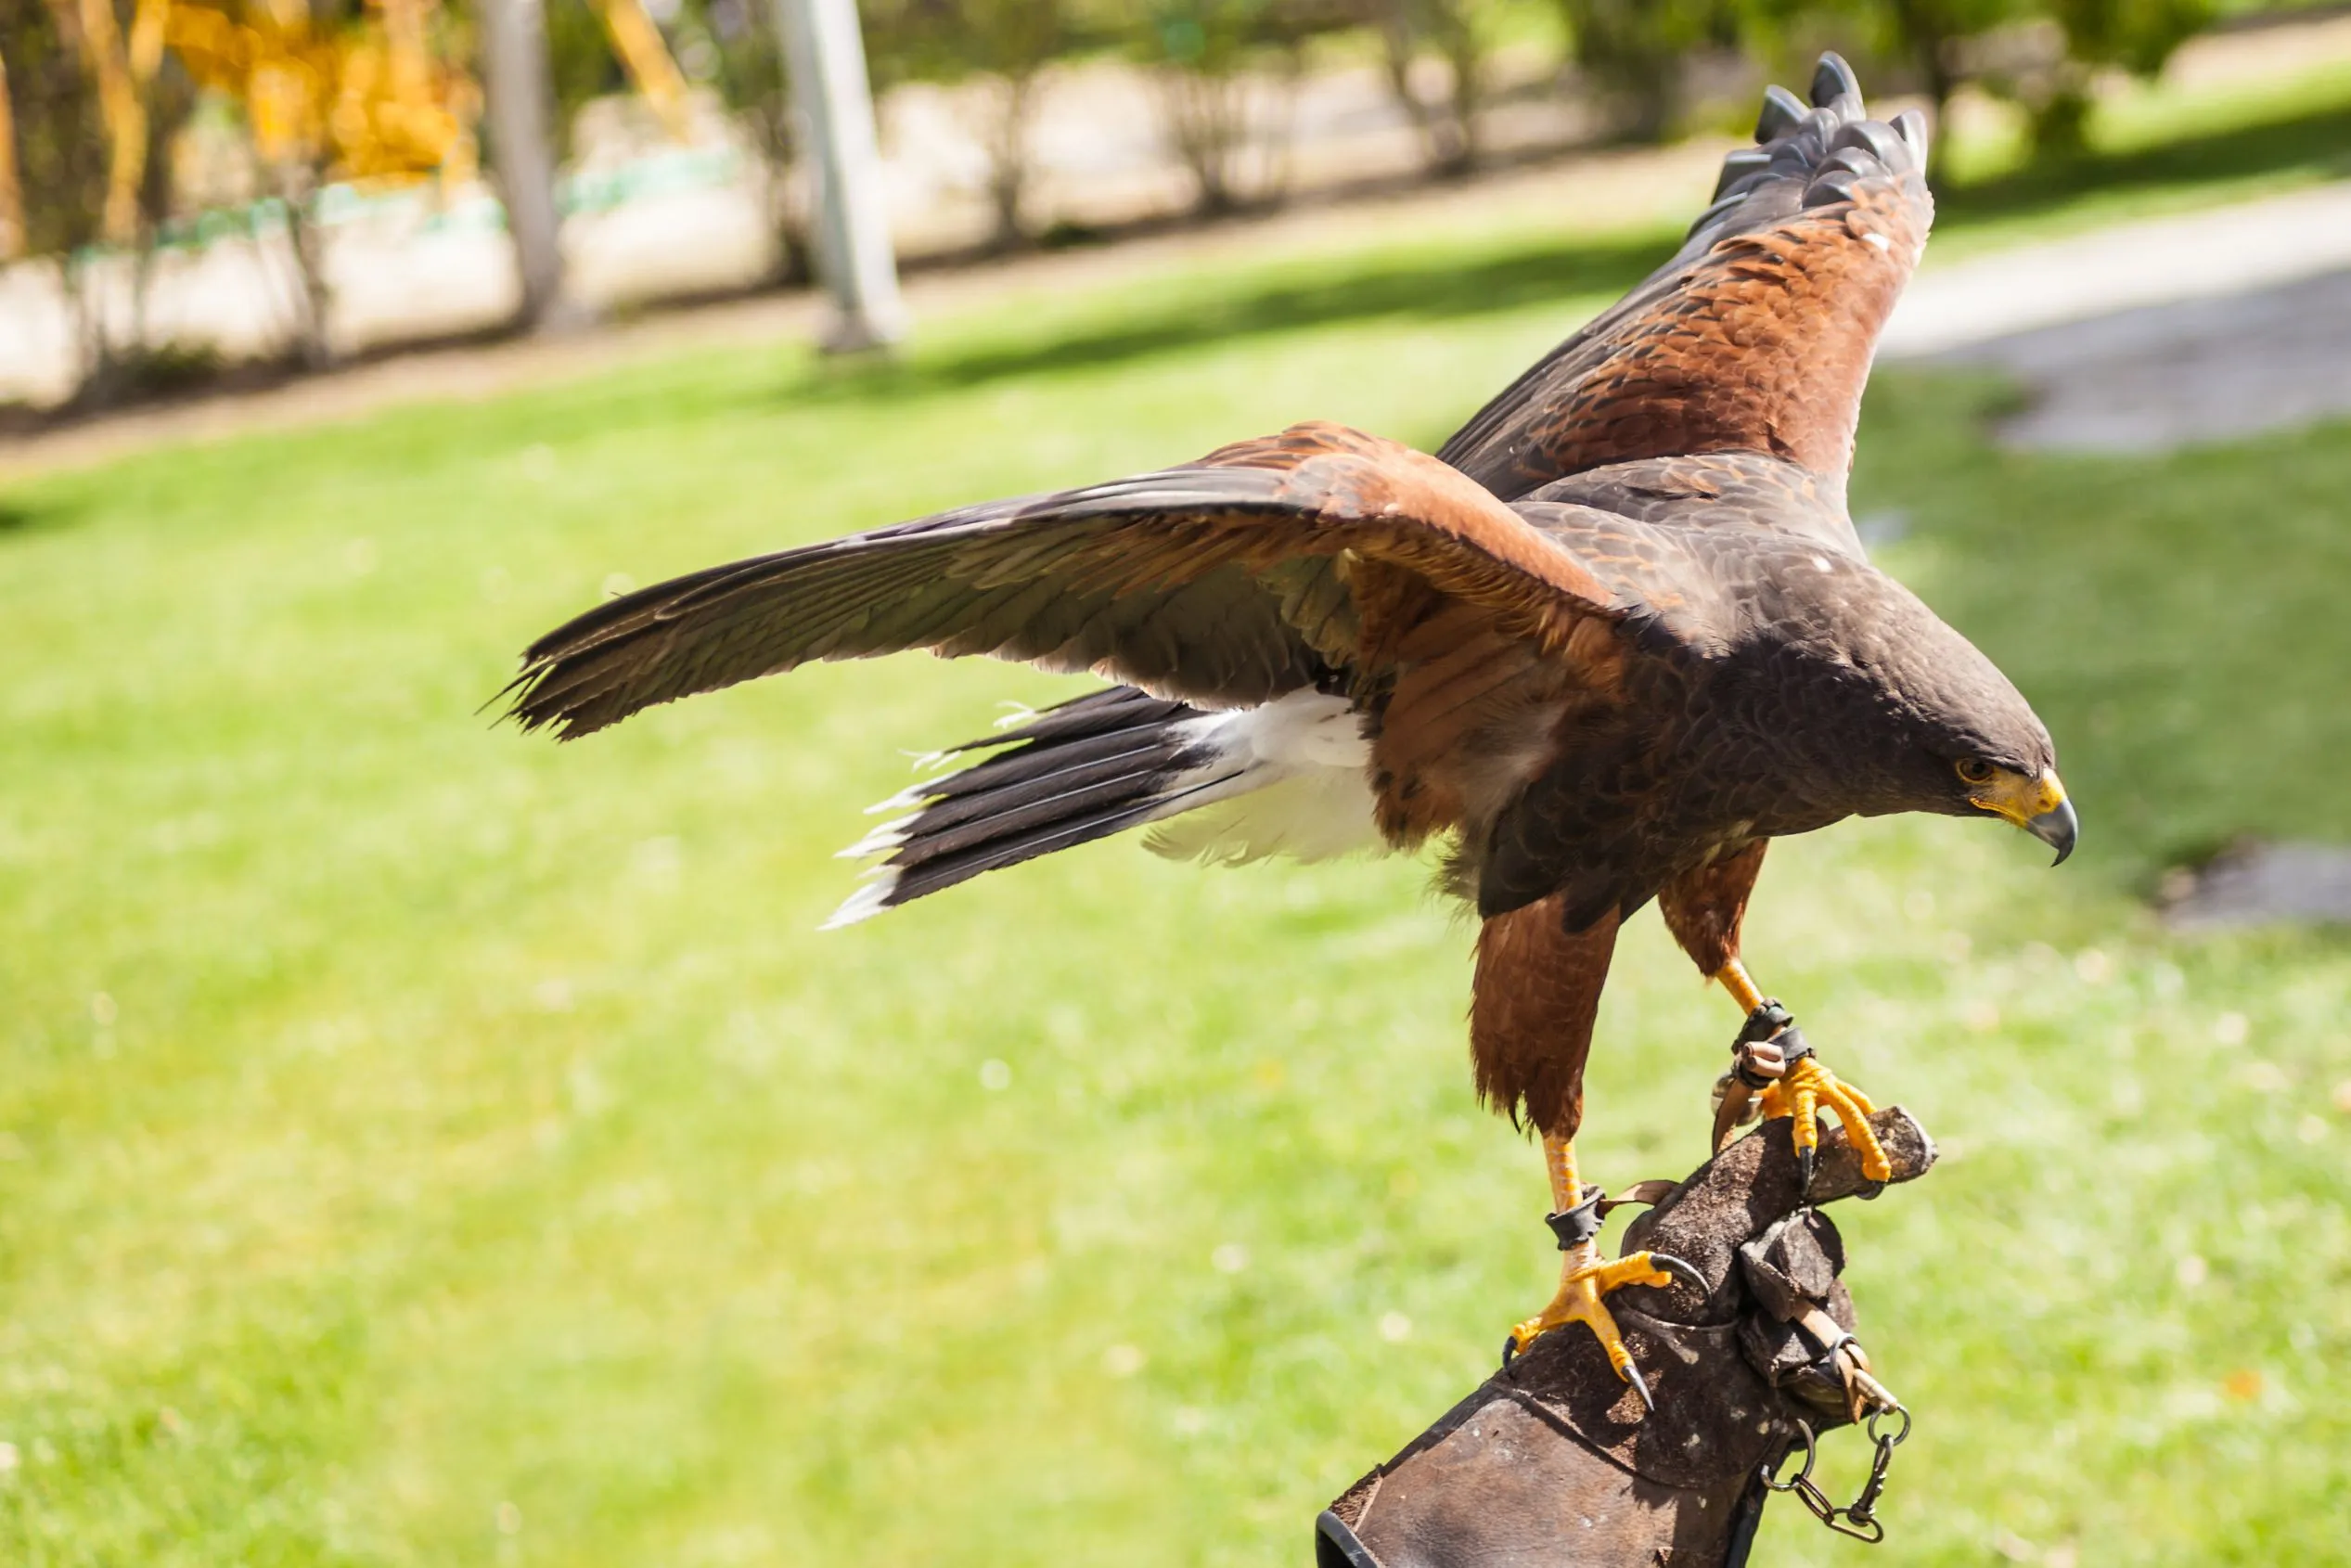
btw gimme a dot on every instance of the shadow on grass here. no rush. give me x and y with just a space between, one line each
1423 283
2314 140
19 516
1252 303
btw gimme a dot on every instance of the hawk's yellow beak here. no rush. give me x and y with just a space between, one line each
2037 805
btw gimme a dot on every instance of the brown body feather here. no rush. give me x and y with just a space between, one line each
1532 1004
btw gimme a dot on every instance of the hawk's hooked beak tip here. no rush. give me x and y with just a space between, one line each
2058 828
2037 804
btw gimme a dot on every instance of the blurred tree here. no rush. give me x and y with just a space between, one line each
580 65
1211 59
856 262
62 164
1458 33
644 54
2045 55
89 116
1003 45
599 48
360 90
1928 34
1631 53
2136 37
729 46
743 61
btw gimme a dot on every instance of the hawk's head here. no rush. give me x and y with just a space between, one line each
1901 713
1950 733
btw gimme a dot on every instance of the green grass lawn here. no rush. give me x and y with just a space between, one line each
422 1144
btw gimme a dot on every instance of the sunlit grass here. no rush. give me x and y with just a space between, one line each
423 1144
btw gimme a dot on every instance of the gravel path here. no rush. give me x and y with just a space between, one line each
2152 262
2211 325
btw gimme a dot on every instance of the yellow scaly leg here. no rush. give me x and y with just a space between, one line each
1585 1277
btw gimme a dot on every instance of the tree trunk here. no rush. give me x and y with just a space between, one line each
1466 53
1396 41
1201 114
314 295
1931 46
514 49
102 374
1009 161
795 247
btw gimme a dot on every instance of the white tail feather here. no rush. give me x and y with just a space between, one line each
1317 816
864 904
1290 778
881 841
1303 791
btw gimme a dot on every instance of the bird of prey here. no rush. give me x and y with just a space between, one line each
1607 644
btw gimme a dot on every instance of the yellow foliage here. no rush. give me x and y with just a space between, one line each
370 103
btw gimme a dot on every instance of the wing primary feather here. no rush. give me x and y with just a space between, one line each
1834 80
1882 141
1739 166
1782 112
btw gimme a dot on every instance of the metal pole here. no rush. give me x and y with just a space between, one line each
514 47
826 57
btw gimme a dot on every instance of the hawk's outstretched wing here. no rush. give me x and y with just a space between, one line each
1265 568
1757 335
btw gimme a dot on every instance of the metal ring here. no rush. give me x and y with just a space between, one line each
1878 1414
1802 1476
1867 1531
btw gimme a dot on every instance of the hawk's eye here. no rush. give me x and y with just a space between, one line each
1975 770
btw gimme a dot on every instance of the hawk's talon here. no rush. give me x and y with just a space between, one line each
1807 1161
1632 1374
1688 1272
1583 1282
1810 1089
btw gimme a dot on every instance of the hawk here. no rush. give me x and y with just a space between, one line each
1605 645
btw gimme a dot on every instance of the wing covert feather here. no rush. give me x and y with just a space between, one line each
1225 582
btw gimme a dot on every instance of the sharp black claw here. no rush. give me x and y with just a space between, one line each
1807 1162
1672 1264
1640 1386
1510 1350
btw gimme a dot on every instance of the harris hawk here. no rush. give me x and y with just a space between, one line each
1616 637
